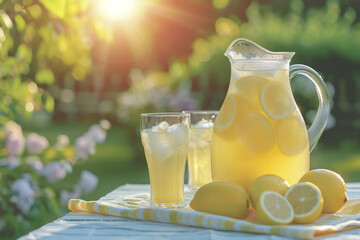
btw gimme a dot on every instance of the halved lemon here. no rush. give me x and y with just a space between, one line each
274 209
332 187
292 135
276 101
306 200
250 87
267 182
226 114
256 132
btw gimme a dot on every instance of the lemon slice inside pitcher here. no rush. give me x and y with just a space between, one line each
250 87
276 101
226 114
292 135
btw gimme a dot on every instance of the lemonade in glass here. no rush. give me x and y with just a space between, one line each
199 152
165 137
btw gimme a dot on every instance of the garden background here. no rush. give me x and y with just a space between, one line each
65 65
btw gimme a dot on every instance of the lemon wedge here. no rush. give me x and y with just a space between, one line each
306 200
276 101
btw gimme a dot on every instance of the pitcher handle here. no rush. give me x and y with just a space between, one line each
322 114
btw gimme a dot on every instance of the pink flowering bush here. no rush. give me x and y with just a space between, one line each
36 143
30 167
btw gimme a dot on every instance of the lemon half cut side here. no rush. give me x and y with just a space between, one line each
332 187
306 200
276 101
267 182
274 209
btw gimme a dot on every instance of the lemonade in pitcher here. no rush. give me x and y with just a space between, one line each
259 128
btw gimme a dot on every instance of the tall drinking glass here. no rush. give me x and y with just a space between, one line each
199 153
165 137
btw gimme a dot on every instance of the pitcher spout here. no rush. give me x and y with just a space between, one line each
243 49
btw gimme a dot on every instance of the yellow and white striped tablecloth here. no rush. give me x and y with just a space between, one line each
138 207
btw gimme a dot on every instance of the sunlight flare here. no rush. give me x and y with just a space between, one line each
119 9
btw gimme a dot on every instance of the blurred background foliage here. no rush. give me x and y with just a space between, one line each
65 64
37 40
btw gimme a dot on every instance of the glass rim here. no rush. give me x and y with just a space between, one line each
201 111
165 114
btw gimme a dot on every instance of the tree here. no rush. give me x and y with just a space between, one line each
42 41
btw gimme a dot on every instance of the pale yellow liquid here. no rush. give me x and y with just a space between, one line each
253 144
166 166
199 157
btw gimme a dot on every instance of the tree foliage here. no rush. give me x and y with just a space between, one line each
325 38
41 42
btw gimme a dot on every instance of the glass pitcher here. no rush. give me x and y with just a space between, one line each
259 129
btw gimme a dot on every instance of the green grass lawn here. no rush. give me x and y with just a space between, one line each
343 159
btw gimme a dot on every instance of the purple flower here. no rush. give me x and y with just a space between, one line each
54 171
36 143
84 146
15 141
182 101
88 182
35 163
96 133
158 96
15 144
23 194
10 161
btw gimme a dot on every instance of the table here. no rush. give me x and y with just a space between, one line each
92 226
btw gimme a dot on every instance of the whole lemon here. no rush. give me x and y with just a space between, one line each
268 182
221 198
332 187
